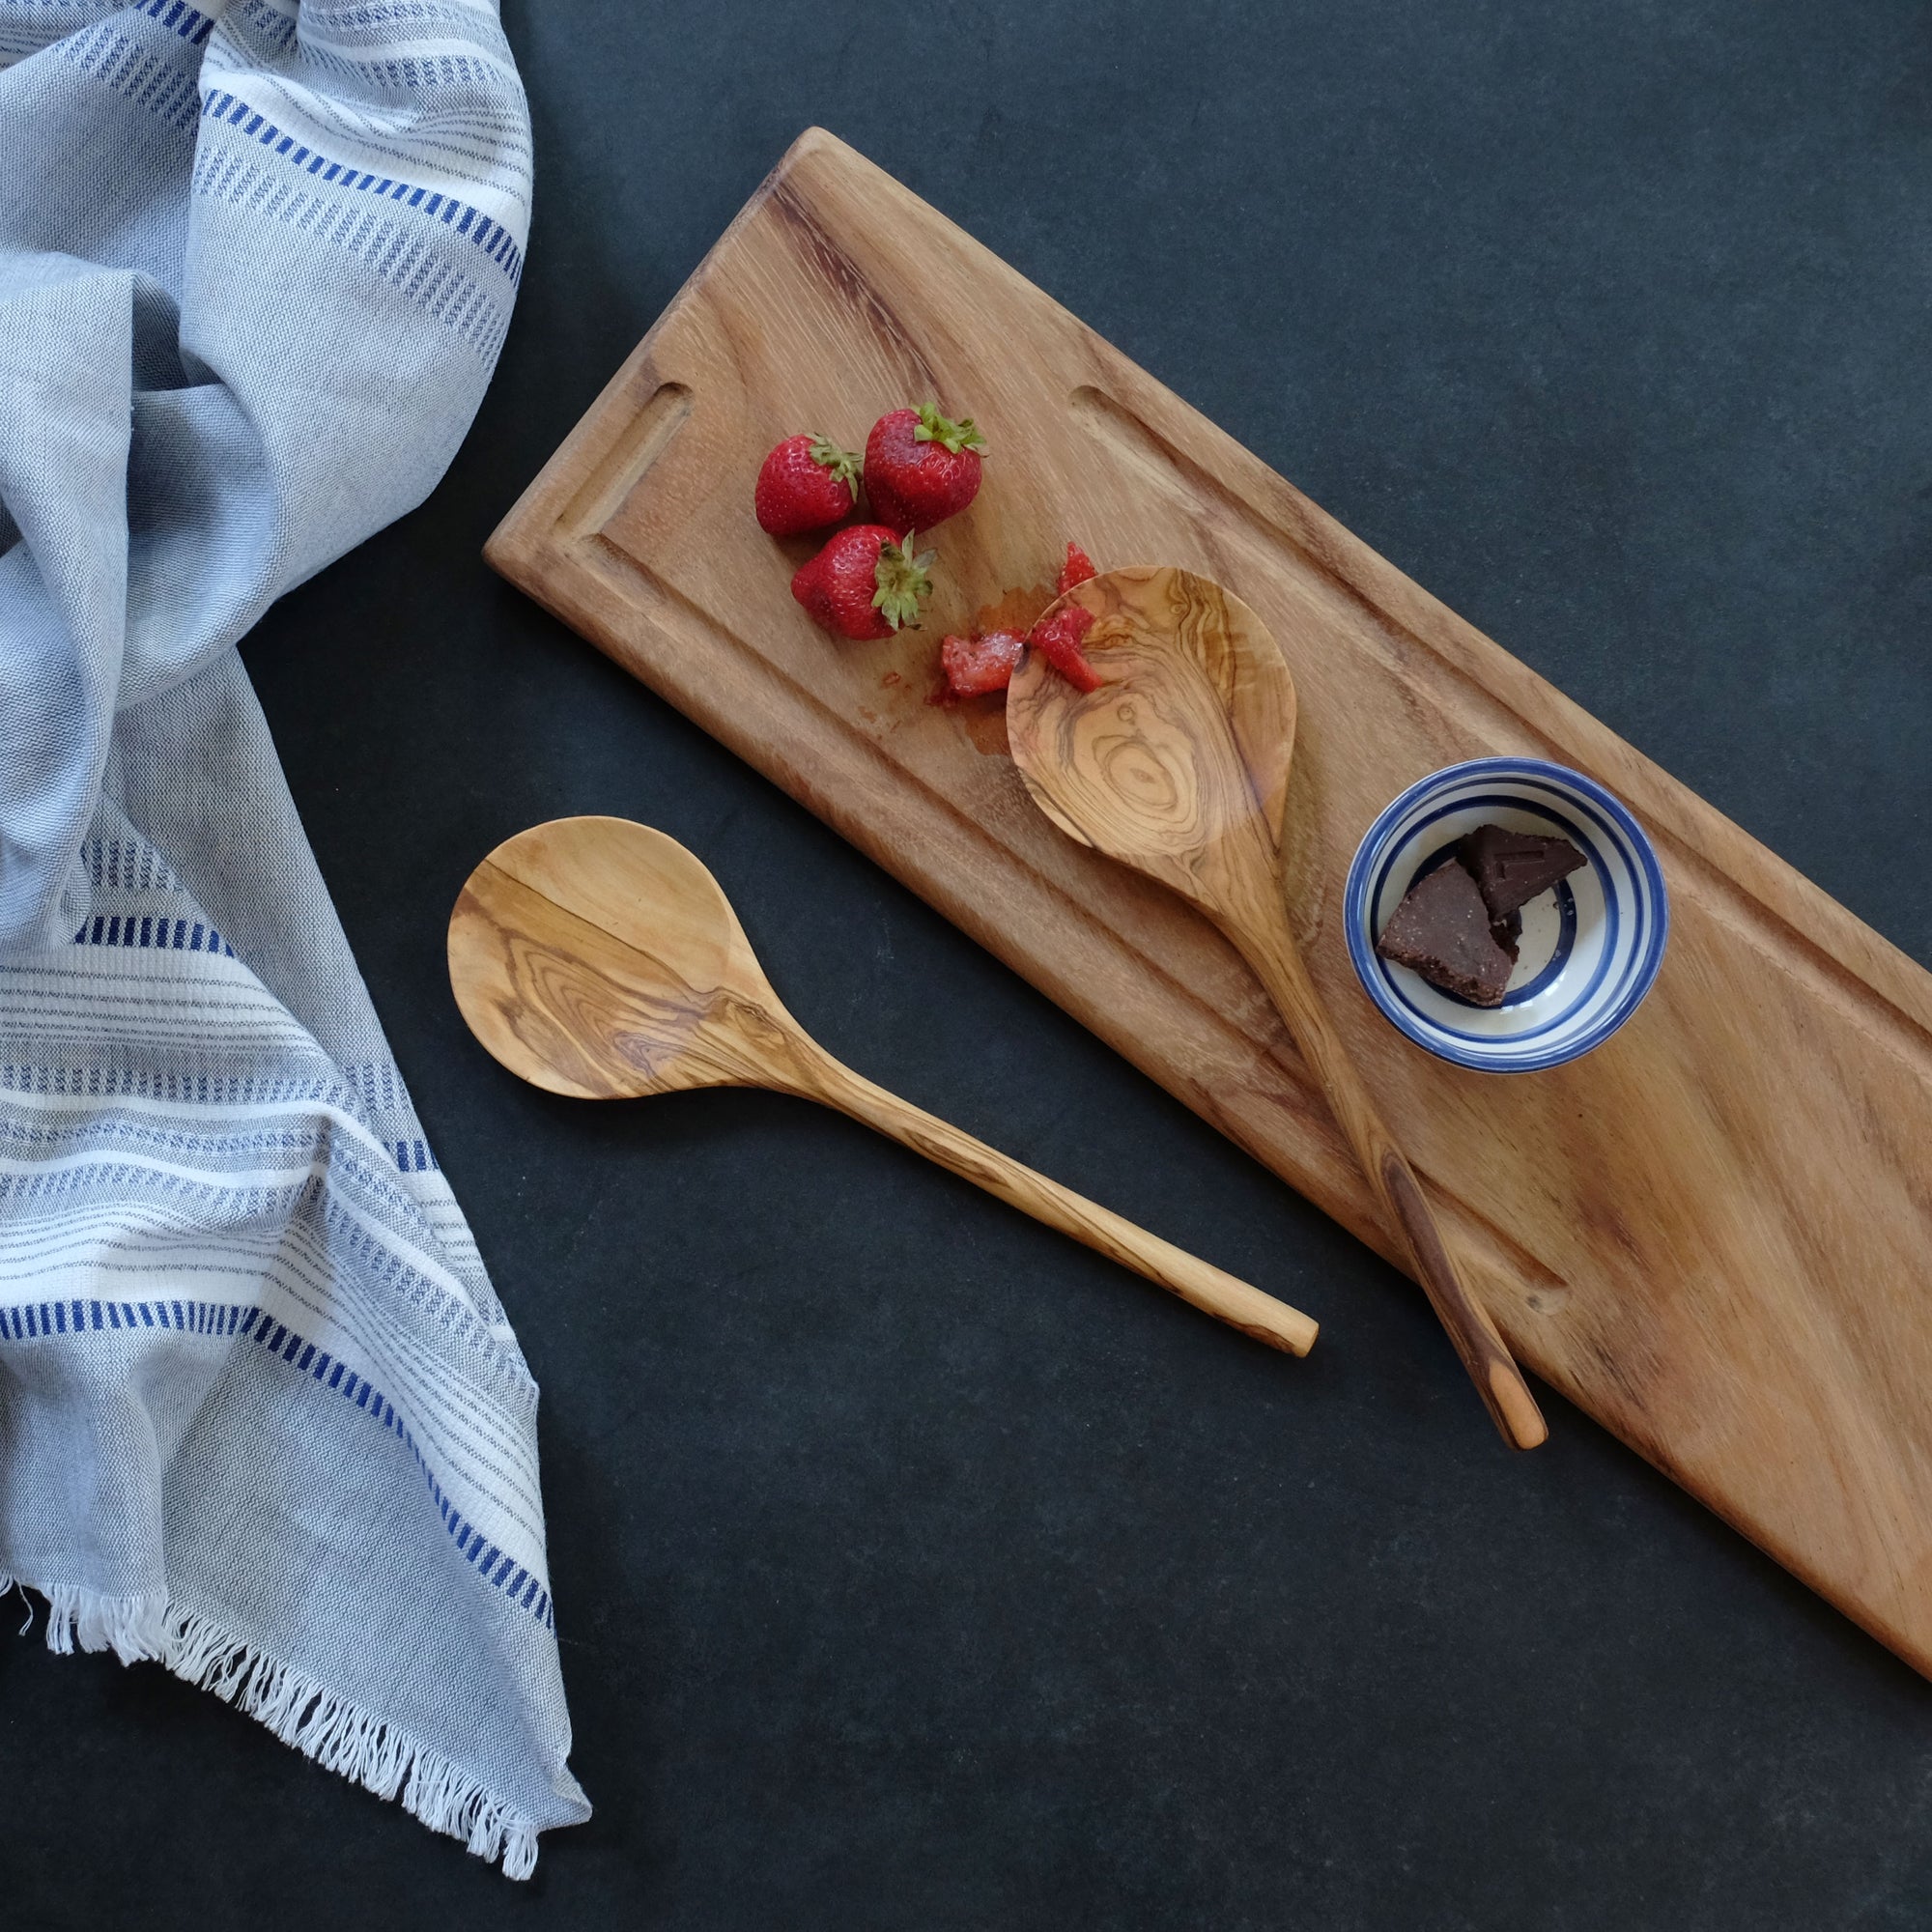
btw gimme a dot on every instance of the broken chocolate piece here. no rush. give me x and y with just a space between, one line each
1442 929
1507 932
1510 868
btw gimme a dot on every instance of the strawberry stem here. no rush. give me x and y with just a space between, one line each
902 579
932 427
841 463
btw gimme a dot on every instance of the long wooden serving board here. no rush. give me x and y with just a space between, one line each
1713 1232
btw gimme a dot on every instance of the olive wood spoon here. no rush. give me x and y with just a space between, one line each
597 957
1178 767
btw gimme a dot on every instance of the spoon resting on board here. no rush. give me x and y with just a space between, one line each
1178 767
599 958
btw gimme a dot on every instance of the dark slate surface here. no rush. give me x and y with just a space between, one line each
916 1568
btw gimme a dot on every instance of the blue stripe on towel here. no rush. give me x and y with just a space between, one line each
36 1320
223 107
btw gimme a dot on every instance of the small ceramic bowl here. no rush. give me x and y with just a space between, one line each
1590 948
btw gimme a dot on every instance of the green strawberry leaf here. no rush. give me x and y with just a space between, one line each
903 580
841 463
932 427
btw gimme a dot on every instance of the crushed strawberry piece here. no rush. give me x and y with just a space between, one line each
1057 639
1077 569
974 666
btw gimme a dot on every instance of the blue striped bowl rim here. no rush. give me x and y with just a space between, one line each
1640 900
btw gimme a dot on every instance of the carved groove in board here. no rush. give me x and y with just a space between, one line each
627 462
1164 466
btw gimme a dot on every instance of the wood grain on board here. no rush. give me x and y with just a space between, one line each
1711 1233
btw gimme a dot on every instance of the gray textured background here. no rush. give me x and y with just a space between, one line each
915 1567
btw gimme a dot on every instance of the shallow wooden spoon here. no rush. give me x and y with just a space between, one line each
1177 766
598 957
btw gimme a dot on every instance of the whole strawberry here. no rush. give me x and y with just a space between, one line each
865 582
921 467
803 484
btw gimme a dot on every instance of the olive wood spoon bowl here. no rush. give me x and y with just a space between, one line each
597 957
1178 767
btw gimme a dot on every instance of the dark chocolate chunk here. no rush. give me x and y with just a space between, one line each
1442 929
1507 932
1510 868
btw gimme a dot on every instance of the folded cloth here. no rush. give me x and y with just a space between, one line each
260 1415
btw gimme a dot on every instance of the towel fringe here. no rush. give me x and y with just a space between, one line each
130 1627
299 1711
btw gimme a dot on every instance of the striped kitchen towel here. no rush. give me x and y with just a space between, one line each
261 1415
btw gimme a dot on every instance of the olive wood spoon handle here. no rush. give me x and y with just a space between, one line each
1270 949
1208 1287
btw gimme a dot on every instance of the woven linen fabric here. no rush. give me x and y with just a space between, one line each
261 1415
